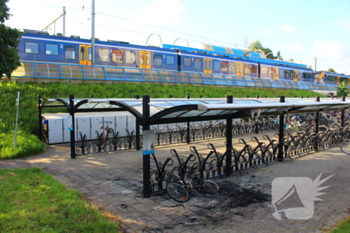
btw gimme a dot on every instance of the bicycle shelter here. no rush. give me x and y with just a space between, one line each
149 112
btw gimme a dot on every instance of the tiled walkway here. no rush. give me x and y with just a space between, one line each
115 182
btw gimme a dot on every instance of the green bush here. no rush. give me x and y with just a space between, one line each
343 90
26 145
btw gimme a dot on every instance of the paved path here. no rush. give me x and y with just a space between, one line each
115 182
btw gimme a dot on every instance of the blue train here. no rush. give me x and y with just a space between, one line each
42 47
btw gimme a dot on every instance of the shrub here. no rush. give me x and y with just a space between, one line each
26 145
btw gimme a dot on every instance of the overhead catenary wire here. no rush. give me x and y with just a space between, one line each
200 38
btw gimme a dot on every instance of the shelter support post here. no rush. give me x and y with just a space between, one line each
229 140
317 124
72 131
343 114
146 157
39 117
281 134
188 134
138 141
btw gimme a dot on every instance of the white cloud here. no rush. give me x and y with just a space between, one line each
332 54
298 47
347 26
160 12
287 28
331 50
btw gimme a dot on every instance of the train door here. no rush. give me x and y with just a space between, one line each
85 55
275 73
295 78
339 80
208 66
145 60
239 69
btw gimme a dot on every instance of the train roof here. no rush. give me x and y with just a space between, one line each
76 39
332 74
235 53
211 50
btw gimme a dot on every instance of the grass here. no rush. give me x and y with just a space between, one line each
26 145
32 201
343 226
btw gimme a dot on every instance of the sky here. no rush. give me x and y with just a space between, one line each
312 32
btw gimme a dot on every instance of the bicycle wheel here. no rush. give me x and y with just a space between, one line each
178 192
209 186
111 138
345 146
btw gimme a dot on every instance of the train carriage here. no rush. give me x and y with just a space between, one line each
214 64
57 49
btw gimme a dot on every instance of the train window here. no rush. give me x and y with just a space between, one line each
117 56
307 76
224 66
187 61
197 64
295 74
281 74
247 69
300 76
157 60
270 72
82 53
254 69
103 55
264 72
130 57
331 78
208 64
69 52
216 66
231 67
90 53
31 47
170 60
51 49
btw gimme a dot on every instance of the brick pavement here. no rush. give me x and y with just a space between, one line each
115 182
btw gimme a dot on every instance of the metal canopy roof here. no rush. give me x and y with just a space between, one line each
182 110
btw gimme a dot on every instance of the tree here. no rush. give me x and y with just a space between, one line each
343 90
332 70
9 40
279 56
256 46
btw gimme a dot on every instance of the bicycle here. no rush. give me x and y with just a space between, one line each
180 190
107 134
345 146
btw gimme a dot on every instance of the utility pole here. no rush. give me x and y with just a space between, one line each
93 32
54 22
315 64
64 21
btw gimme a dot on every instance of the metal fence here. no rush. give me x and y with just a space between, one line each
252 154
79 72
